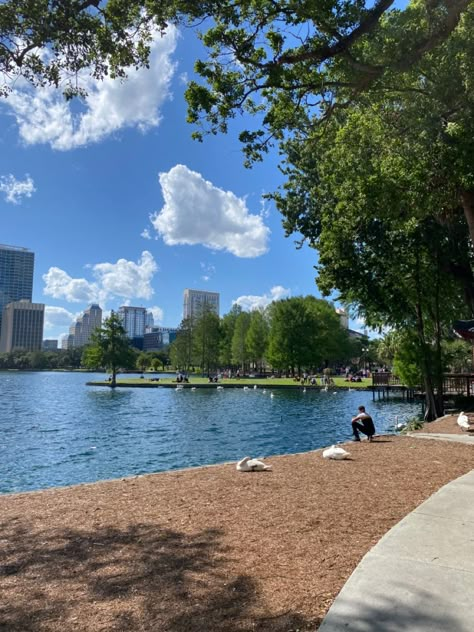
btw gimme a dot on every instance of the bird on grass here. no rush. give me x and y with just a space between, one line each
247 464
336 453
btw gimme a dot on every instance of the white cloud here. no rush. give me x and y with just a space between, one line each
251 302
57 317
158 314
16 189
43 115
123 279
197 212
145 234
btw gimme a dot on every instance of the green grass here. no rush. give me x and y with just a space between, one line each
260 382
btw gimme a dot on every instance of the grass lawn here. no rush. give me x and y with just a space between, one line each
260 382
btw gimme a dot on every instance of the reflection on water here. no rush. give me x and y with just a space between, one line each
55 430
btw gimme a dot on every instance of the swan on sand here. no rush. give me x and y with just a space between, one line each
247 464
463 421
336 453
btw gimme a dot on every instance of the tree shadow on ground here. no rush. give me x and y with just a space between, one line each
143 577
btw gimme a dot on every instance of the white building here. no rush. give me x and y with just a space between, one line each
133 320
80 332
343 317
196 300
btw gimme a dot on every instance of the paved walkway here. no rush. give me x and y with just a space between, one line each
420 576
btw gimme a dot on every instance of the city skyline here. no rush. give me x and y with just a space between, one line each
122 207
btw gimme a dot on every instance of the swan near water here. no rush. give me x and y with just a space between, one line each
247 464
463 421
336 453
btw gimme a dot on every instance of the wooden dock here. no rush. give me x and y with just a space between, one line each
385 385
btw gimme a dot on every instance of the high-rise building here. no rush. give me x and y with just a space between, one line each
16 275
22 326
81 331
50 345
133 320
195 301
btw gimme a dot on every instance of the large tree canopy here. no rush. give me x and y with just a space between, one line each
285 46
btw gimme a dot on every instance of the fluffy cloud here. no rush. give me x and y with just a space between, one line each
43 115
145 234
123 279
57 317
259 302
16 189
158 314
197 212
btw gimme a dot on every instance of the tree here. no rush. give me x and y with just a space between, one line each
227 334
110 348
239 341
206 340
181 349
256 340
53 42
291 63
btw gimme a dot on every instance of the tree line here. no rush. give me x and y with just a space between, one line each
291 335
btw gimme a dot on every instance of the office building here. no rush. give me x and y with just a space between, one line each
22 326
343 317
16 275
81 331
158 338
50 345
133 320
195 301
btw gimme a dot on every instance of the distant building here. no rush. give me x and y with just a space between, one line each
343 317
196 300
16 275
158 338
50 345
81 331
22 326
149 321
133 320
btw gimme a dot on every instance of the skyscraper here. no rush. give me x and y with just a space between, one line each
22 326
16 275
196 300
80 332
133 320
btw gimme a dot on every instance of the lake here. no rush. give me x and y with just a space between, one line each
55 430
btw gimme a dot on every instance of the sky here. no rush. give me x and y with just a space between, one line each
122 207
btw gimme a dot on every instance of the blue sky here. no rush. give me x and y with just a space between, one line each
122 207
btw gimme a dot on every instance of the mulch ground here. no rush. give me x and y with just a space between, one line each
210 549
448 425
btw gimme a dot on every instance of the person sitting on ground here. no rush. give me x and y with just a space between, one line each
363 423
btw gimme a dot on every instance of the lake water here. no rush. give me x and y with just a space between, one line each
55 430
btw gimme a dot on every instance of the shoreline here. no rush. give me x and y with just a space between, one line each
209 547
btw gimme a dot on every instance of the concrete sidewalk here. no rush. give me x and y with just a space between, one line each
420 576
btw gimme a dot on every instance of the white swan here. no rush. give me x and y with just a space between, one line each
272 395
335 452
463 421
248 464
254 387
193 388
246 388
180 388
304 390
220 388
325 389
264 391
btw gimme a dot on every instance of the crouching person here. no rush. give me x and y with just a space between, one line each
363 423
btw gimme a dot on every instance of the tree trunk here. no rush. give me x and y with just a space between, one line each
467 199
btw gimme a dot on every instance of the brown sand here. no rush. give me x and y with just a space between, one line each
448 425
210 549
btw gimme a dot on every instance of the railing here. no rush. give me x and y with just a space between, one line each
385 379
453 383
